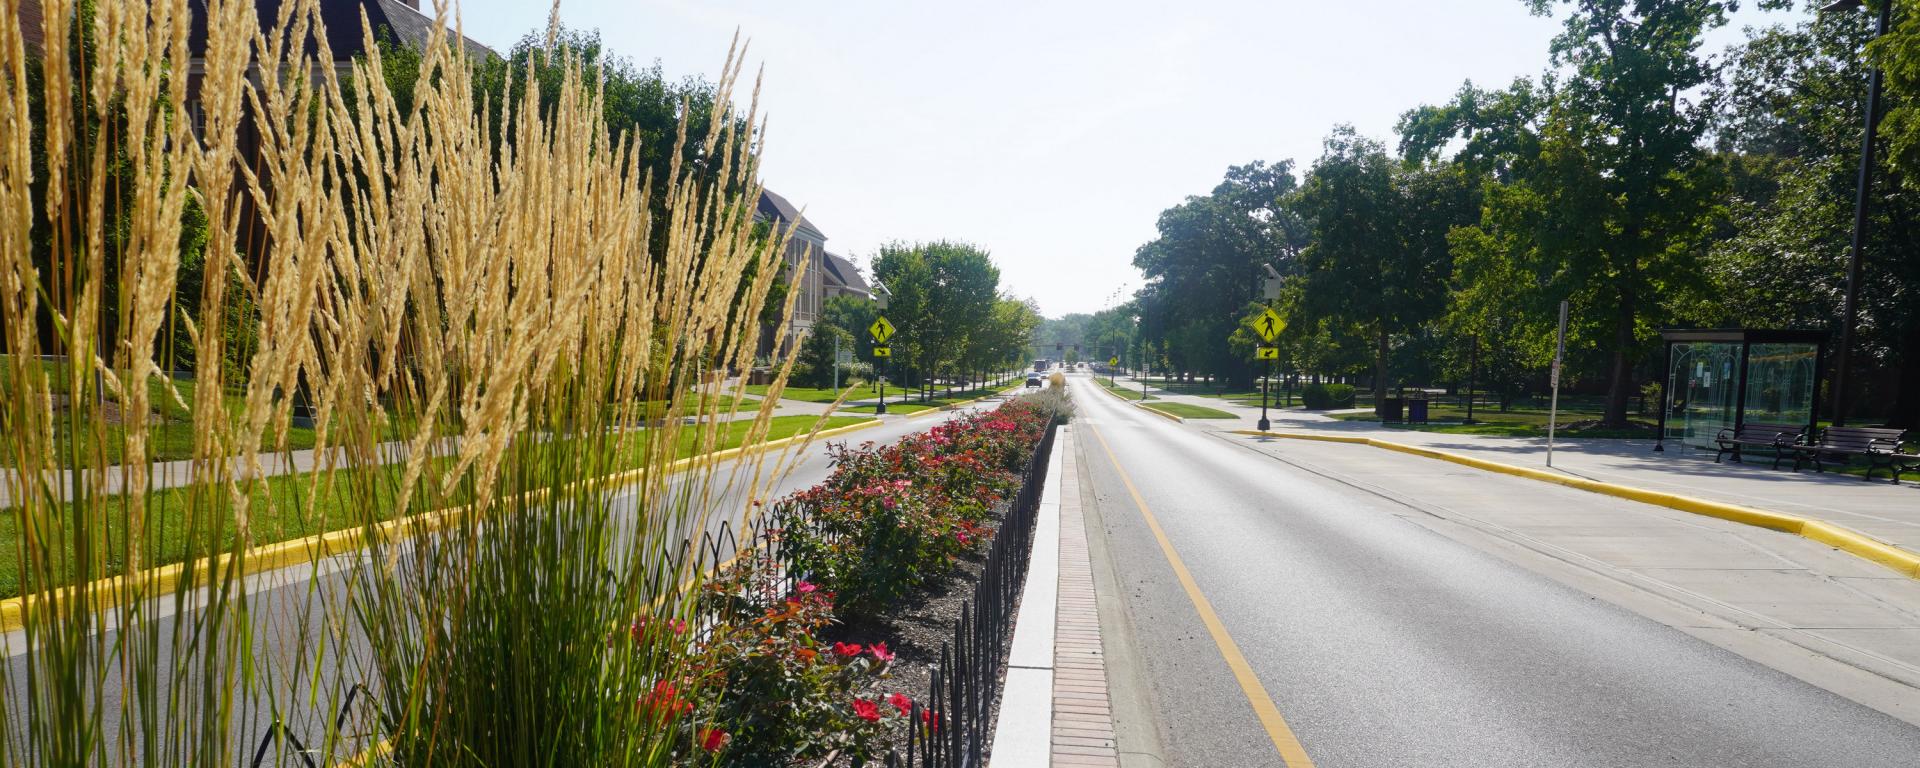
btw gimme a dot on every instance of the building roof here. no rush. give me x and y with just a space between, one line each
342 17
776 208
842 274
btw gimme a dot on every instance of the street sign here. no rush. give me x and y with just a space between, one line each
881 330
1266 353
1269 325
883 352
1115 360
843 357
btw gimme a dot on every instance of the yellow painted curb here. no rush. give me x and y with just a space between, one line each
114 591
1157 412
1839 537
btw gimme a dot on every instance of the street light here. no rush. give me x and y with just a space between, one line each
1844 365
880 296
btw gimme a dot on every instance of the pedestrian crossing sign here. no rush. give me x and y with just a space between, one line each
1266 353
881 330
1115 360
883 352
1269 326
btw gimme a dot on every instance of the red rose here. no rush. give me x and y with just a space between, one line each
866 710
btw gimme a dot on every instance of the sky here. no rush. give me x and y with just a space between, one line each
1052 134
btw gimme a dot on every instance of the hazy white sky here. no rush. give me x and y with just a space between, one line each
1053 133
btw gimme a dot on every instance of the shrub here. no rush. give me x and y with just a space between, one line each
1320 397
762 688
891 518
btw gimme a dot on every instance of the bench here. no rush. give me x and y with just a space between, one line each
1780 437
1880 446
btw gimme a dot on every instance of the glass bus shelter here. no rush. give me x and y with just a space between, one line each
1726 378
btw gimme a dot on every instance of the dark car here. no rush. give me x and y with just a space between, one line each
1033 379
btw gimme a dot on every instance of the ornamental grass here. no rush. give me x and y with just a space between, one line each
474 310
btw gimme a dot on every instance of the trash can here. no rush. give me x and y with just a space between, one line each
1390 408
1416 411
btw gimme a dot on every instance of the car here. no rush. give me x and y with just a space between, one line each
1033 379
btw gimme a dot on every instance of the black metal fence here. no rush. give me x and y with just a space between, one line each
967 682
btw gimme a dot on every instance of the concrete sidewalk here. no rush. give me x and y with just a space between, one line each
1878 508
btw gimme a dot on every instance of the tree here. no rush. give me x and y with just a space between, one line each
1613 210
1793 102
944 294
1379 262
1205 265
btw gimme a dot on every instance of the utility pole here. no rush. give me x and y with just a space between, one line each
1849 309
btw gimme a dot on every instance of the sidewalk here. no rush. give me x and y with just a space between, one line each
1878 508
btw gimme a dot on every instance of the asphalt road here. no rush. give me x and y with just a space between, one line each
290 608
1371 641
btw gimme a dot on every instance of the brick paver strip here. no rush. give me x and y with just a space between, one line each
1082 723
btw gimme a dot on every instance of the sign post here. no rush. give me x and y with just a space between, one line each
881 330
1559 354
1268 327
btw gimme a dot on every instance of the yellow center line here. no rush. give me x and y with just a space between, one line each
1294 755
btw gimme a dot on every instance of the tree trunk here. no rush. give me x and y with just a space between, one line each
1380 365
1620 386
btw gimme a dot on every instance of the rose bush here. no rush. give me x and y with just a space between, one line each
760 686
892 517
757 685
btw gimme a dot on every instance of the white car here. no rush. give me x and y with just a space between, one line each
1033 379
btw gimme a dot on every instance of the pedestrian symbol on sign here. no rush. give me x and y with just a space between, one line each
1269 325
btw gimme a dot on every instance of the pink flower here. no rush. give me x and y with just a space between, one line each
848 650
880 652
866 710
805 587
679 626
901 702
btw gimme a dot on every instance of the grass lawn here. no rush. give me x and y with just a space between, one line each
1203 389
1186 411
911 403
280 509
1121 390
1519 422
813 394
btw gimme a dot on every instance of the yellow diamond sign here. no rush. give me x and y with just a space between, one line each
881 330
1269 325
1115 360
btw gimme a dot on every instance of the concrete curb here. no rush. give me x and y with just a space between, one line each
112 592
1024 728
1839 537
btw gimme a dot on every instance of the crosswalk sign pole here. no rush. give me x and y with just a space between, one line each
1266 382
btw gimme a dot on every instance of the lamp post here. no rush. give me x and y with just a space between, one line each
1848 309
